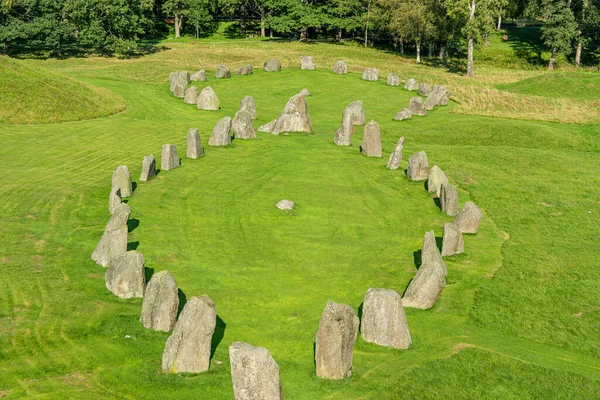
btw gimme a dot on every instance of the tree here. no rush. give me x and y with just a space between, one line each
176 8
345 15
559 30
198 13
588 21
297 16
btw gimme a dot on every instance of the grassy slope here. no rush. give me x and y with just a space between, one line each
33 95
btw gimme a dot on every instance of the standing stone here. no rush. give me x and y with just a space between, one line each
173 76
249 105
148 168
307 62
418 167
245 70
430 251
112 243
294 117
268 127
393 80
449 199
121 179
221 135
114 200
371 143
370 74
125 276
403 114
119 217
425 288
343 136
453 242
468 218
169 158
411 85
199 76
188 348
424 89
194 144
304 92
242 125
208 100
272 65
184 78
358 112
384 320
160 304
435 181
179 91
222 72
439 96
340 67
191 95
336 336
396 156
417 107
254 373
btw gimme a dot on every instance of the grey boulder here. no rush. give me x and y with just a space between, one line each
343 136
424 89
221 133
254 373
468 218
371 142
294 117
286 205
304 92
191 95
112 244
370 74
453 242
411 85
435 181
160 304
222 72
439 96
396 156
245 70
169 158
403 114
307 63
272 65
242 125
183 78
114 200
430 251
425 288
384 320
199 76
125 276
208 100
449 199
121 179
417 107
148 168
179 91
358 112
248 104
268 127
393 79
340 67
418 167
194 144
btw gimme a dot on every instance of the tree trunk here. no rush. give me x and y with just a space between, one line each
338 35
263 32
401 46
197 30
418 51
303 34
271 33
553 58
470 65
443 52
177 26
499 21
578 53
431 48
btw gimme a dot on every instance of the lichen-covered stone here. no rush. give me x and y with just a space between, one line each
121 179
411 85
435 181
430 251
424 89
468 218
242 125
417 107
307 63
114 200
449 199
191 95
112 243
343 136
221 133
272 65
439 96
371 142
194 144
384 320
294 117
452 240
403 114
199 76
125 276
425 288
340 67
148 168
418 167
245 70
161 301
370 74
222 72
396 156
208 100
169 158
254 373
358 112
285 205
268 127
393 79
248 104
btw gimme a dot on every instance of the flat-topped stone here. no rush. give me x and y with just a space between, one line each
254 373
169 158
242 125
371 143
194 144
222 72
221 133
121 179
272 65
418 167
307 63
449 199
452 240
161 302
370 74
125 275
340 67
468 218
384 320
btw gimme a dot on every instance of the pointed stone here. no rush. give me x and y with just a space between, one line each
125 276
384 320
114 200
304 92
370 74
453 242
191 95
222 72
169 158
121 179
221 133
268 127
294 117
112 244
358 112
208 100
418 167
242 125
449 199
430 251
435 181
371 143
179 91
272 65
248 104
307 63
393 80
425 288
161 301
396 156
439 96
403 114
194 144
148 168
417 107
343 136
411 85
184 78
254 373
245 70
468 218
119 217
340 67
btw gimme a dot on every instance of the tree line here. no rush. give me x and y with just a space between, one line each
443 26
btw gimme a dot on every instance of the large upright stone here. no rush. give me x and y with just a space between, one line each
370 74
242 125
358 112
435 181
184 78
208 100
272 65
148 168
118 218
424 89
452 241
418 167
254 373
169 158
430 251
396 156
384 320
439 96
161 301
188 348
191 95
449 199
248 104
403 114
468 218
173 76
425 288
245 70
371 143
336 336
417 107
179 91
340 67
125 276
221 133
112 243
343 136
411 85
294 117
194 144
393 79
222 72
114 200
307 63
199 76
121 179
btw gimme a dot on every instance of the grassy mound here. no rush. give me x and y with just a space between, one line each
33 95
572 85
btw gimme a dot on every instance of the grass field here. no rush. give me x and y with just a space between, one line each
519 314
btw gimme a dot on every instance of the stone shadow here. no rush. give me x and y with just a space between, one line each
217 336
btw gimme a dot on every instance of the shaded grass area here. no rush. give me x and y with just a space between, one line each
573 85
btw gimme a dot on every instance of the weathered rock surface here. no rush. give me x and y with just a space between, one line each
179 91
403 114
222 72
173 76
449 199
358 112
439 96
208 100
148 168
418 167
307 62
268 127
125 275
199 76
452 241
184 78
371 143
161 301
121 179
194 144
188 348
340 67
468 218
370 74
424 89
191 95
435 181
430 251
417 107
393 79
221 133
245 70
294 117
425 288
396 156
118 218
272 65
304 92
336 336
242 125
112 243
169 158
114 200
411 85
343 136
384 320
254 373
286 205
248 104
